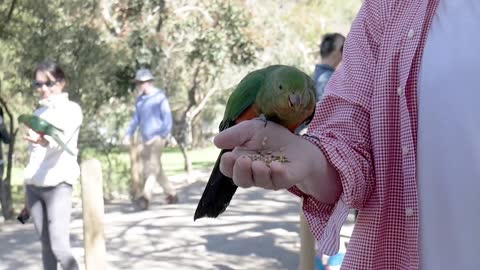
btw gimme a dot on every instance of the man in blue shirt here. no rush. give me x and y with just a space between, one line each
153 118
331 50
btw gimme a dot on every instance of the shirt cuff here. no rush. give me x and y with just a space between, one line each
325 220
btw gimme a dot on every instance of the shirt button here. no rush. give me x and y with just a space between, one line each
411 33
400 91
405 150
409 212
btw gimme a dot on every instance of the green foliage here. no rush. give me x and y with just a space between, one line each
291 30
326 16
198 49
225 37
116 167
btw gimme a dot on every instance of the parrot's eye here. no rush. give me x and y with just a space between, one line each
280 86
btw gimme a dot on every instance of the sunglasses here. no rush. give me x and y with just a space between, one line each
38 84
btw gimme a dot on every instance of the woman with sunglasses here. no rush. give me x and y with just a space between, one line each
51 172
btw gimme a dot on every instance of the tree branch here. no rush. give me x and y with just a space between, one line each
191 92
110 23
9 16
161 15
10 12
11 145
202 11
203 102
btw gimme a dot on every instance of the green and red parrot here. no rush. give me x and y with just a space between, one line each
42 127
278 93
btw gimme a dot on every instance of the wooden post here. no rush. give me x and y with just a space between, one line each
93 215
307 245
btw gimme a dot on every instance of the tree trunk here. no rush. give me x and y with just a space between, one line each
183 136
6 187
184 129
5 184
187 162
6 200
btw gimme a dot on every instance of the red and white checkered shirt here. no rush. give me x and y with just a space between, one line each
366 125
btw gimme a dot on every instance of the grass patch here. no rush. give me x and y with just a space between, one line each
116 168
204 158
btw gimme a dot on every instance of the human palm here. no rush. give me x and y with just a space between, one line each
286 157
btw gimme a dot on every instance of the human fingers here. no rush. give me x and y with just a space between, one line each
242 172
30 139
227 161
236 136
36 139
282 176
261 175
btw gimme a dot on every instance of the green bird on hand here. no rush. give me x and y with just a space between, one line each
42 127
278 93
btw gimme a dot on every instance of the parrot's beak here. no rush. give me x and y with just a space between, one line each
294 100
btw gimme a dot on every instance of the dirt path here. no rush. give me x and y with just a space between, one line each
258 231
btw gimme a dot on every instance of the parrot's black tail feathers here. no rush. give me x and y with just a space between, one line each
217 194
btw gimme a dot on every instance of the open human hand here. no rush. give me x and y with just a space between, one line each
35 138
267 156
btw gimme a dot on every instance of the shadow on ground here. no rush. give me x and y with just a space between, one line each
259 230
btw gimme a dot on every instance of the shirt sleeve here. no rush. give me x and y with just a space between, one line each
166 115
340 128
321 82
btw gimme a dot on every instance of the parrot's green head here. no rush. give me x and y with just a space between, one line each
288 97
24 118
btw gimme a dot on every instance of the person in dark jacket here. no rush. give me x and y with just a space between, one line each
331 50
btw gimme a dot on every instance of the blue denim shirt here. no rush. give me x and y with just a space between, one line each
152 115
321 76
